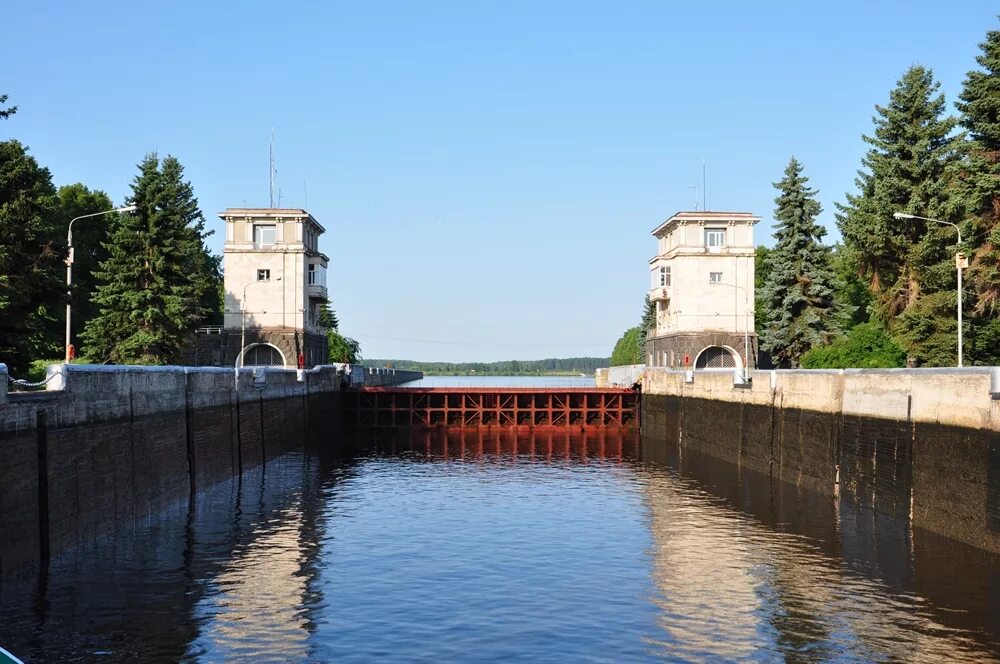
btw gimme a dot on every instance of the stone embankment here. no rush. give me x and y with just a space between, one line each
103 446
923 444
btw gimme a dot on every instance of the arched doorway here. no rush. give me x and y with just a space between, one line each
261 355
717 357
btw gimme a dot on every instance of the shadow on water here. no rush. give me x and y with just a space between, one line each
477 545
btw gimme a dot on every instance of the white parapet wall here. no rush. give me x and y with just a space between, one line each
620 376
968 397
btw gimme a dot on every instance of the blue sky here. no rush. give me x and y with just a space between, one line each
488 173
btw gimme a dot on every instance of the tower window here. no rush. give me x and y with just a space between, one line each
715 238
263 275
665 276
715 277
264 235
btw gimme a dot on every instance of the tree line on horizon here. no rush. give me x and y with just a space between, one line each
143 281
575 365
886 295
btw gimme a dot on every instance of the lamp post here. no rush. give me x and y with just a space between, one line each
69 267
959 259
746 325
243 325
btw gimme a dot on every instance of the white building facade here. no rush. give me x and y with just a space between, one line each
275 288
702 284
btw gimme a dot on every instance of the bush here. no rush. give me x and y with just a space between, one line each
866 346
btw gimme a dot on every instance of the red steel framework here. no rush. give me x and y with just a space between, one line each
528 407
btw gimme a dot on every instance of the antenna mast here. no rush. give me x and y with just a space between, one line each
704 185
272 172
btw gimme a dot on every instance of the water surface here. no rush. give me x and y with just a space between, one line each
478 546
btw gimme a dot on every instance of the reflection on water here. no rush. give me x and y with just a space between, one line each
495 546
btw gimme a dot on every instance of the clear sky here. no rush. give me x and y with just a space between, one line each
488 172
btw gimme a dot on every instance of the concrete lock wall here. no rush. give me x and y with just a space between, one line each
104 446
923 444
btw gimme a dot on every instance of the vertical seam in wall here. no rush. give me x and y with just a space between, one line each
131 448
263 447
239 437
189 432
42 450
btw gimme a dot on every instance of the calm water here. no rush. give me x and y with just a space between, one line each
483 547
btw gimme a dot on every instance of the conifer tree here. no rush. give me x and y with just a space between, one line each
88 251
799 290
30 262
648 324
158 276
906 261
979 183
6 112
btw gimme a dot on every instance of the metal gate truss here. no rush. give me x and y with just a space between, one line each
491 407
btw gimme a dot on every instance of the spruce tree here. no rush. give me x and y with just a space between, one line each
913 151
6 112
979 184
648 324
158 276
799 290
31 263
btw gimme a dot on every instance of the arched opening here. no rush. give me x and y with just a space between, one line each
718 358
261 355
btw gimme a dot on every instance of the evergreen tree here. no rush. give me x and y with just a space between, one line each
157 278
913 150
31 263
88 252
799 290
648 324
980 174
6 112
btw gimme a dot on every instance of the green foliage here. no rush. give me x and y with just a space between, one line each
628 350
979 181
550 366
158 280
914 151
762 269
76 200
328 317
6 112
648 324
867 345
982 342
30 263
799 285
342 349
852 291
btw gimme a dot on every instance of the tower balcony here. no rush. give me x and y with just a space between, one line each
660 293
317 291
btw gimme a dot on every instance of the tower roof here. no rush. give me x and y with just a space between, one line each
706 217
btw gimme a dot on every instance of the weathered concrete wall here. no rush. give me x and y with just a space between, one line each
110 445
621 376
918 443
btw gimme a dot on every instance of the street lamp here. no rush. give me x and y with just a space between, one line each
959 264
746 326
69 267
243 325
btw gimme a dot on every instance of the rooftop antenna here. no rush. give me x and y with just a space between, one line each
273 172
704 185
695 187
